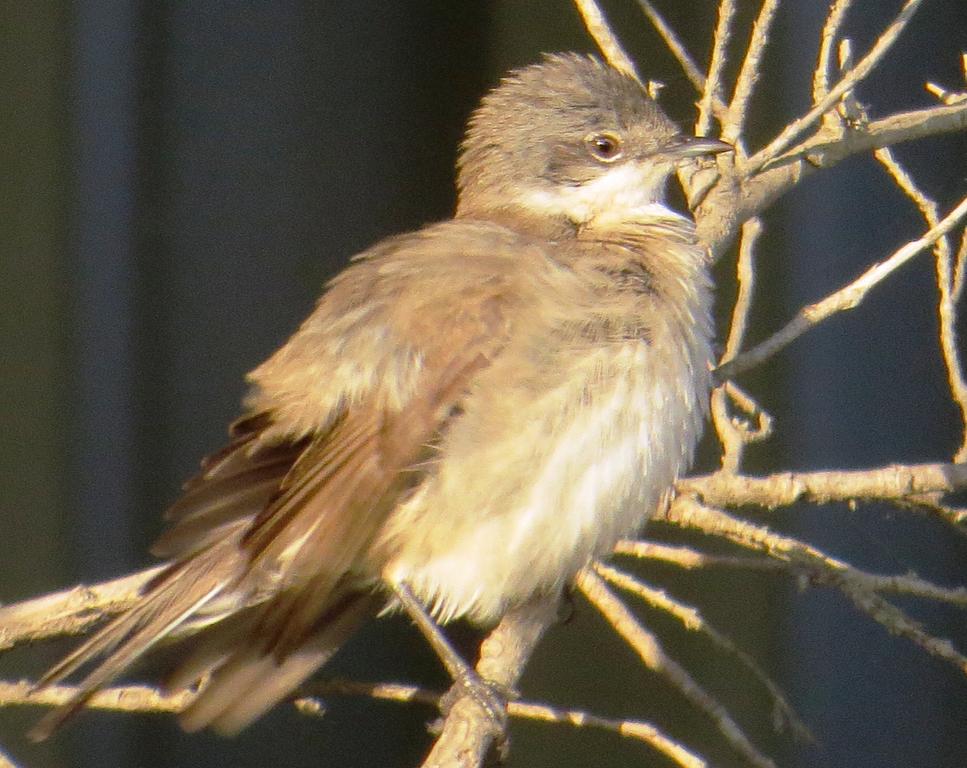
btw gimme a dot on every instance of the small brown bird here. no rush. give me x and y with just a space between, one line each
470 414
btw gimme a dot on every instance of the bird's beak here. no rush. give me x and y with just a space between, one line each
684 146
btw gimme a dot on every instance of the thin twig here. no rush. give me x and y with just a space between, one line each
946 308
599 29
860 587
691 513
739 421
745 278
731 437
649 650
691 559
714 86
124 698
523 710
795 130
960 266
750 72
734 199
692 619
675 45
848 297
823 74
139 698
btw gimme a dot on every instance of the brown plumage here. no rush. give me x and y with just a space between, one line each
472 410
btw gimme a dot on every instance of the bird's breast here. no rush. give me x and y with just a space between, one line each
554 459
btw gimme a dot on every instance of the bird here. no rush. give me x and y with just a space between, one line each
472 412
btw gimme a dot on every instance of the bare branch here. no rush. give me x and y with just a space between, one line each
798 127
125 698
890 483
731 435
946 278
750 71
848 297
468 731
739 421
949 344
692 619
688 511
138 698
714 87
70 611
861 587
827 45
745 277
674 44
649 650
960 262
633 729
691 559
604 37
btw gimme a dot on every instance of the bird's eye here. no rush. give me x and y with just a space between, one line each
604 146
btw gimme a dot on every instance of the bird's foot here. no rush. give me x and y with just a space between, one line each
491 697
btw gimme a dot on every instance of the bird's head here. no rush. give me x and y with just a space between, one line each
570 138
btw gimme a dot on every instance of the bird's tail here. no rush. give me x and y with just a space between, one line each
169 600
245 677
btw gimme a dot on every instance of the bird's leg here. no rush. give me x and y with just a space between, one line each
491 697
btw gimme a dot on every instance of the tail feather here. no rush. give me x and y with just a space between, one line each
174 597
251 682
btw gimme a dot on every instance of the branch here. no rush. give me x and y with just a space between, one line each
675 45
847 297
824 67
734 434
70 611
749 73
649 650
892 483
691 619
848 82
860 586
122 698
604 37
737 197
821 567
468 731
634 729
691 559
712 92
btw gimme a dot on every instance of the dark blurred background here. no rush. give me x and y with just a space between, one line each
178 181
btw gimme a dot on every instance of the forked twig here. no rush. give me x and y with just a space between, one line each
792 132
649 650
848 297
692 619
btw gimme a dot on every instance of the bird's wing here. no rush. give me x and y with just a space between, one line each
314 535
339 423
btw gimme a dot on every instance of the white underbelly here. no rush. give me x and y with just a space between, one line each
527 506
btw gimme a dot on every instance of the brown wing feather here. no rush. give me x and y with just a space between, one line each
315 533
276 525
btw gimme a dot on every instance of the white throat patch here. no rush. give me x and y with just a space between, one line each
627 192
